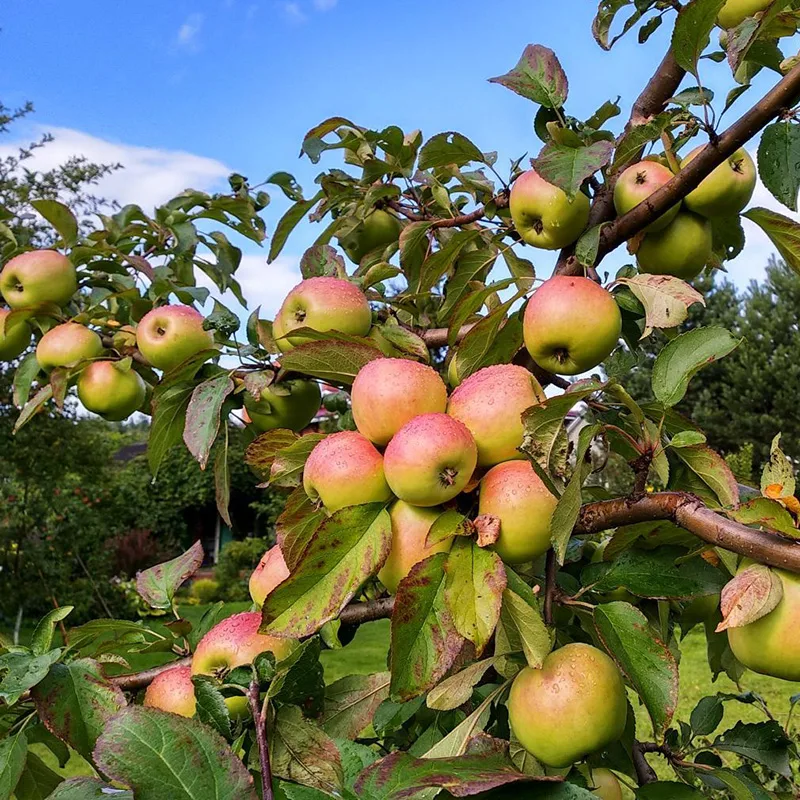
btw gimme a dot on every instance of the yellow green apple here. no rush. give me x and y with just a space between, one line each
571 325
490 403
36 277
289 404
345 469
573 706
727 190
66 345
682 249
112 391
734 12
15 338
603 783
637 183
543 214
379 229
430 460
389 392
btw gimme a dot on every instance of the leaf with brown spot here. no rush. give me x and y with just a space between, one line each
289 463
777 478
488 529
350 704
295 526
157 585
261 452
346 550
752 594
203 416
448 524
456 690
475 581
666 299
425 641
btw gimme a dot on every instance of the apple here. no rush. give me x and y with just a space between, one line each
430 460
513 492
66 345
110 391
698 610
637 183
15 339
345 469
410 526
36 277
771 645
169 335
682 249
734 12
604 784
573 706
289 404
379 229
235 642
490 403
389 392
543 214
172 691
571 324
270 572
727 190
323 304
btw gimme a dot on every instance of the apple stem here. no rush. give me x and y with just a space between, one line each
259 713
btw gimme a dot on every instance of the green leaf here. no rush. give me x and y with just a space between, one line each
765 513
344 551
169 416
42 638
12 762
569 167
321 260
24 376
588 246
686 355
741 787
406 341
660 574
330 360
60 217
222 319
538 76
520 268
288 222
707 715
456 690
493 340
222 479
351 702
646 661
448 148
157 585
287 183
23 671
289 463
569 504
37 780
523 629
713 470
606 12
161 755
30 409
778 157
211 707
261 452
425 641
203 416
442 261
667 790
299 680
666 299
301 751
763 742
629 147
474 586
297 524
692 32
75 701
88 789
783 232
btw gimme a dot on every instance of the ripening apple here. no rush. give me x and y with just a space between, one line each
682 249
698 610
543 214
573 706
734 12
410 526
571 324
111 391
771 645
430 460
36 277
235 642
637 183
323 304
727 190
15 338
172 691
389 392
270 572
513 492
345 469
289 404
603 783
490 403
379 229
169 335
66 345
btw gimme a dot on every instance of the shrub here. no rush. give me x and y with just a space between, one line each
205 590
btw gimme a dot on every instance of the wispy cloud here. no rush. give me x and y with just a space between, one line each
293 12
325 5
189 32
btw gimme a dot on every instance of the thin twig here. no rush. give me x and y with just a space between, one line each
259 713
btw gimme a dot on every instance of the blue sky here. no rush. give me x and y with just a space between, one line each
183 92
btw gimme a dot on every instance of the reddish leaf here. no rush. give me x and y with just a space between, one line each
261 452
296 525
488 529
158 584
752 594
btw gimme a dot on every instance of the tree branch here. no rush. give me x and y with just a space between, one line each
138 680
359 613
500 201
644 772
551 568
260 720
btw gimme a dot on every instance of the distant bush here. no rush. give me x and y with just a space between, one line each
236 561
205 590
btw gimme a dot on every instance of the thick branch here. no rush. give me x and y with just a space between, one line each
359 613
663 85
644 772
138 680
783 95
499 200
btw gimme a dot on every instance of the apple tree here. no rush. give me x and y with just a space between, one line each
531 610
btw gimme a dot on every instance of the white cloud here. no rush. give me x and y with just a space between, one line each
189 32
325 5
263 284
150 176
293 12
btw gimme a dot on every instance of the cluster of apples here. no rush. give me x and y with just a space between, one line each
678 243
34 282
